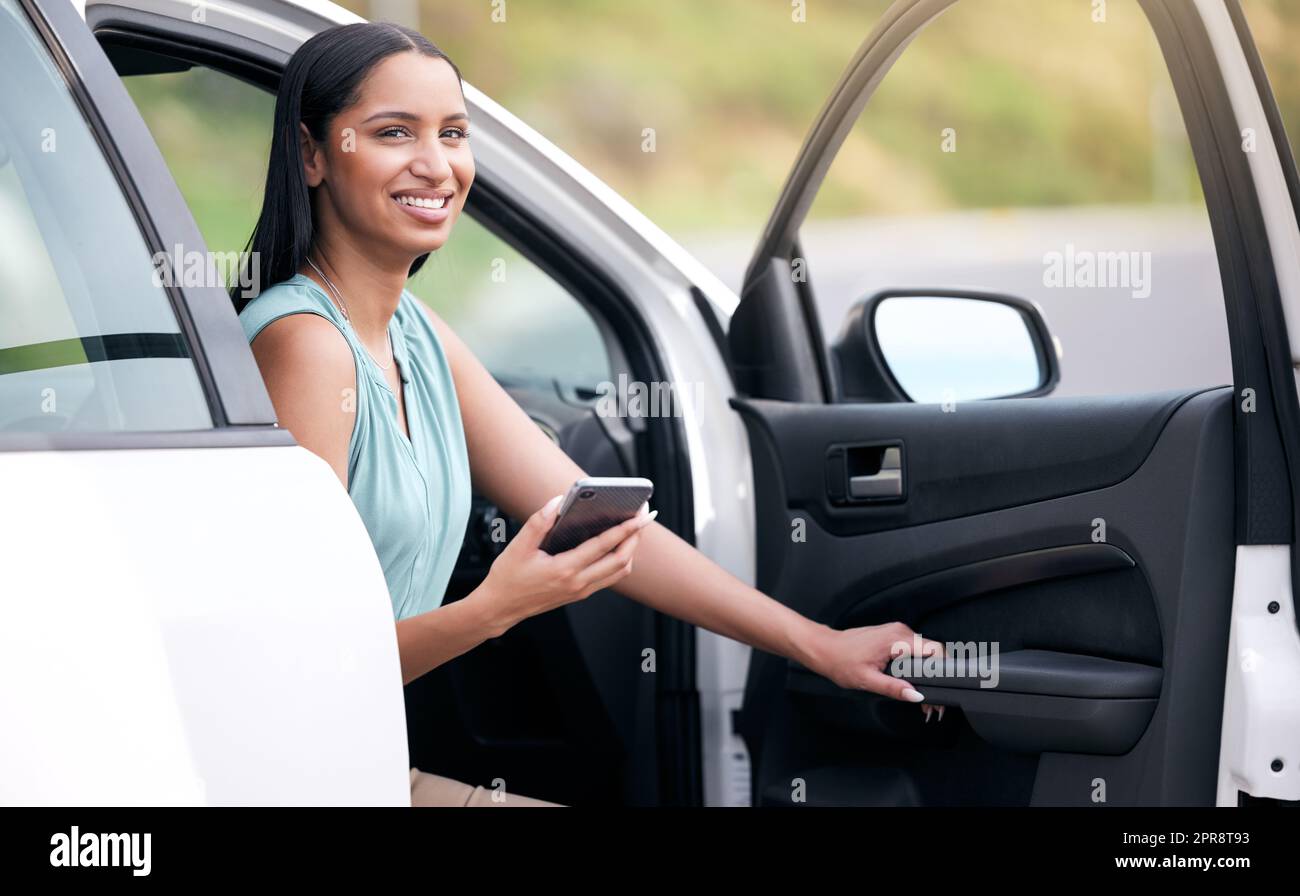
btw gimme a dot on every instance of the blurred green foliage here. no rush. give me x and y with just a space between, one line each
730 88
215 133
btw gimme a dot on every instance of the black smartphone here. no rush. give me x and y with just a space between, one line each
593 505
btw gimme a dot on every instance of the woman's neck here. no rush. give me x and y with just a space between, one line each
371 291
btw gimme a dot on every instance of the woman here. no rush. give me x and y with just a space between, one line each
370 166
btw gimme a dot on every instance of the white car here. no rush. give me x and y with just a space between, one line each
191 610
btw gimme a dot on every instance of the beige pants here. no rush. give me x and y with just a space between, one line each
435 790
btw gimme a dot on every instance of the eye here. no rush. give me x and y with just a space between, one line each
455 133
394 131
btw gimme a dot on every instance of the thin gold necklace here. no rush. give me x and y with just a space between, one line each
348 318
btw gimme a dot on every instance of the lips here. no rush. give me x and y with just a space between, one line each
426 206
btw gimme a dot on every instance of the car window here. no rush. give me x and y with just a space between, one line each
1034 150
88 338
519 321
214 132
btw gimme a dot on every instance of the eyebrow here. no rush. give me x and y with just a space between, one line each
410 116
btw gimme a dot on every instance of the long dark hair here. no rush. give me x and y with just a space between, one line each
322 78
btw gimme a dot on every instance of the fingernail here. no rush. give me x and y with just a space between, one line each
649 518
552 504
927 715
940 713
913 696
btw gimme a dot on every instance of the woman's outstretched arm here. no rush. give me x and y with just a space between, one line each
516 466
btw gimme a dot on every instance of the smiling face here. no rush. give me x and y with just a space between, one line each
396 165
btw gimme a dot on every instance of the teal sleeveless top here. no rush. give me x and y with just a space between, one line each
412 494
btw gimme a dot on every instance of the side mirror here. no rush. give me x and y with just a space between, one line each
935 345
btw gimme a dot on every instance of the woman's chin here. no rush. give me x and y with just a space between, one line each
430 243
430 247
430 238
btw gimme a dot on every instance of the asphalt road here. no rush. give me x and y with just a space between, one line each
1112 342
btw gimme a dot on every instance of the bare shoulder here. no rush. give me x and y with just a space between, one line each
310 375
301 347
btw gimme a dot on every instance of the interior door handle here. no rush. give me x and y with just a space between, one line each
888 483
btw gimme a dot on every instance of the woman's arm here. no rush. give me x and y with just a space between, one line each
430 639
309 373
516 466
310 376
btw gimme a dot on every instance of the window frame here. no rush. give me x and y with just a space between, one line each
853 98
1272 112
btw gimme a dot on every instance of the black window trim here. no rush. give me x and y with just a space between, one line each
241 410
1280 337
1267 442
1272 113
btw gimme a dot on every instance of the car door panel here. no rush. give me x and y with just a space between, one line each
1095 544
973 458
1101 632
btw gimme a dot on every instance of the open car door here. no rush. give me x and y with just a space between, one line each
939 462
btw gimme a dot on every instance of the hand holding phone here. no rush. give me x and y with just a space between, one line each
593 505
598 518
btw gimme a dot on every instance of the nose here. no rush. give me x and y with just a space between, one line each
430 162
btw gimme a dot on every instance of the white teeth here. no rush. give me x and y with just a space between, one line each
423 203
